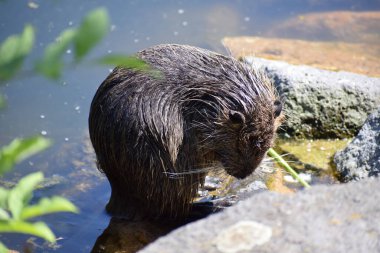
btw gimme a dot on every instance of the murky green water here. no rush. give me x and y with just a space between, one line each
35 104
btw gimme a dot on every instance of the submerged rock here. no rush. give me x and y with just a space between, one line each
361 58
321 103
352 26
310 221
361 158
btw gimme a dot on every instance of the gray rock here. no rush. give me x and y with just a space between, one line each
321 103
341 218
361 158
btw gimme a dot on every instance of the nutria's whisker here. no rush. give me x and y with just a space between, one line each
195 171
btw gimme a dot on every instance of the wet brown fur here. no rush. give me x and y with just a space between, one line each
155 137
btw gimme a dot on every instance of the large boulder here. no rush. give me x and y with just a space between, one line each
361 158
321 103
340 218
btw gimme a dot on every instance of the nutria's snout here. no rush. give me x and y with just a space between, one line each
155 138
245 166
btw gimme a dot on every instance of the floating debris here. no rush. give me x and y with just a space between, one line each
185 23
212 183
202 193
254 186
33 5
43 132
290 179
181 11
42 116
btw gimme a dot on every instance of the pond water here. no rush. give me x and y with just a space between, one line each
60 109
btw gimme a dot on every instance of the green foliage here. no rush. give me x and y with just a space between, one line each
15 48
3 249
84 38
21 194
13 52
124 61
92 30
19 149
15 208
2 101
39 229
130 62
51 64
47 206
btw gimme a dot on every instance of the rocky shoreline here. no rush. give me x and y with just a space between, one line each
337 218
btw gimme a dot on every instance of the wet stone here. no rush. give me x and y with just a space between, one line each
244 235
212 183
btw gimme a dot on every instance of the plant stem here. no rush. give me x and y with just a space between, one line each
289 169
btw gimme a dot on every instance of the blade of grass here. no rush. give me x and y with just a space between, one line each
289 169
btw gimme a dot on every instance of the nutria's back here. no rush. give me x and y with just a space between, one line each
155 136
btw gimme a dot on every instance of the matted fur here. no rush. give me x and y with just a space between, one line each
155 137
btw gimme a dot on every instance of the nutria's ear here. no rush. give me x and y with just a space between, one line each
236 118
277 108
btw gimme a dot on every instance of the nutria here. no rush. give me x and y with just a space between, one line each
155 136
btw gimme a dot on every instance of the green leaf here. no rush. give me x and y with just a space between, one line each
93 28
39 229
3 197
130 62
20 149
51 64
125 61
20 195
13 52
4 215
48 205
2 101
3 249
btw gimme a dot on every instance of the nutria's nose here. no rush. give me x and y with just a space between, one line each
243 173
248 168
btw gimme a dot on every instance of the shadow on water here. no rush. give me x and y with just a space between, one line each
127 236
61 109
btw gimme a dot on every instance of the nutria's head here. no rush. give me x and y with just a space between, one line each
239 122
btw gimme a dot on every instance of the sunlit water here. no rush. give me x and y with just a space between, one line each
60 109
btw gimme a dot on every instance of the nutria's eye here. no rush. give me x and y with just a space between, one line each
237 118
277 108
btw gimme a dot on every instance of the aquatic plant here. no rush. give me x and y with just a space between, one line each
15 207
286 166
